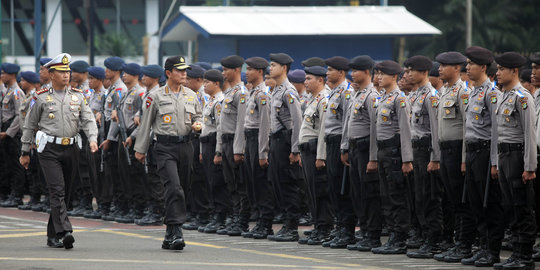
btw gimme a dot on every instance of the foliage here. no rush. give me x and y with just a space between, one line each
115 45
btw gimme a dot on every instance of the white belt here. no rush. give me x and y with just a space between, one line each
59 140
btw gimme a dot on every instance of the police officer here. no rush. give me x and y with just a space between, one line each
172 112
44 76
313 152
425 141
284 156
11 173
297 78
359 148
79 74
535 80
152 182
338 180
231 143
257 131
57 114
434 78
451 114
219 195
517 158
198 195
395 157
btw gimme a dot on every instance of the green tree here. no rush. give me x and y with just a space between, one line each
115 45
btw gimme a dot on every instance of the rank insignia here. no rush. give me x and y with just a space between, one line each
465 98
447 111
506 111
348 95
524 104
476 117
402 103
434 102
384 118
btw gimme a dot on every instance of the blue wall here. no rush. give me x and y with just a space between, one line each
299 48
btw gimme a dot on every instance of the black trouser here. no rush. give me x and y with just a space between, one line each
427 192
518 194
132 177
59 164
453 181
489 220
11 172
112 178
219 196
339 184
235 176
365 188
284 175
35 178
395 204
198 191
152 182
536 184
317 186
263 195
174 167
85 175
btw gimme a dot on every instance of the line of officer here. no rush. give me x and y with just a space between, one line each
172 112
535 80
57 114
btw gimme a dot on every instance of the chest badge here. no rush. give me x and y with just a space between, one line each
167 119
51 115
48 98
74 98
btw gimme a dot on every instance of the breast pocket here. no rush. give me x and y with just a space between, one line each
228 106
190 112
129 105
477 115
74 110
277 105
333 107
5 104
385 116
167 115
508 117
449 109
309 114
357 111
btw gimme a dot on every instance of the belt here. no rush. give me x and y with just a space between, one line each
227 138
281 133
392 142
424 142
60 140
510 147
310 145
251 132
332 138
479 145
357 141
195 135
450 144
208 138
172 139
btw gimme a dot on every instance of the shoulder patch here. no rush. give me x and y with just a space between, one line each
402 103
465 98
523 102
148 102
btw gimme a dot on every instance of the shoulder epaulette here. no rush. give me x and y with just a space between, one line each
41 91
76 89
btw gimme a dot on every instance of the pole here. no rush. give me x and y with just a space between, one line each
37 32
12 24
89 5
1 45
468 38
118 17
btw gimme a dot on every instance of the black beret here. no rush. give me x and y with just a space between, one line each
132 69
114 63
434 71
79 66
535 58
97 72
44 60
213 75
232 61
204 65
361 62
10 68
492 70
510 60
33 77
257 62
316 70
525 75
451 58
281 58
178 62
338 62
419 62
313 61
153 71
479 55
389 67
296 76
196 72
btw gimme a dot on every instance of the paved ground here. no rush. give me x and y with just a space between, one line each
109 245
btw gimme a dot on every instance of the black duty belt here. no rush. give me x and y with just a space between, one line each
208 138
392 142
281 133
251 132
509 147
310 145
357 141
332 138
450 144
227 138
479 145
424 142
172 139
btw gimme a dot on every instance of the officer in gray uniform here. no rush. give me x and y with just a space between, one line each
517 158
44 76
313 152
219 196
11 173
231 141
425 142
297 78
535 79
257 132
57 114
172 112
395 158
338 179
359 148
451 114
284 158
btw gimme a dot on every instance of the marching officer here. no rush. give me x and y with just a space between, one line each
56 114
44 76
172 112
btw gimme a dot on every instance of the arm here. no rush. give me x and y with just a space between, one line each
370 105
88 122
15 124
402 107
264 126
321 144
528 120
239 136
464 118
491 100
296 117
434 127
30 125
149 115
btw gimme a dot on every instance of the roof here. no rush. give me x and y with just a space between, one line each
294 21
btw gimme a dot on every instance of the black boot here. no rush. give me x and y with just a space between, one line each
257 227
102 210
389 242
346 237
488 260
290 234
426 251
224 230
461 251
154 217
217 224
371 240
265 230
177 239
240 226
168 237
200 220
33 201
523 260
321 235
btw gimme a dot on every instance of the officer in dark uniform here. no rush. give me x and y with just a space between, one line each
359 148
172 112
517 158
284 158
57 114
395 158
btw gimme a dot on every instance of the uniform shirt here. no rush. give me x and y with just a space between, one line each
25 107
424 121
360 122
202 96
313 123
84 86
211 114
451 111
515 122
233 113
168 114
11 103
112 95
286 113
481 119
393 118
96 100
304 100
59 114
338 103
130 104
258 117
536 96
